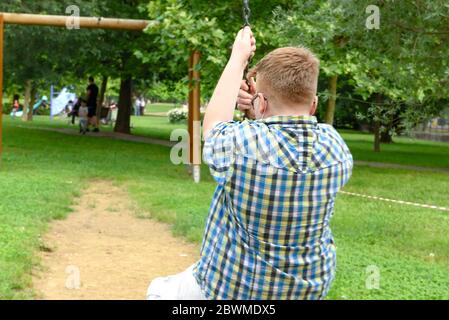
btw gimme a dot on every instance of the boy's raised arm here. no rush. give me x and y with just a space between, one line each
222 104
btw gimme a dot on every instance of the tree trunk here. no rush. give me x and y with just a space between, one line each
377 125
122 124
424 126
104 85
32 103
26 103
330 111
386 137
377 136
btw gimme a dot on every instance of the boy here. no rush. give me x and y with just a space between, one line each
267 235
83 114
74 112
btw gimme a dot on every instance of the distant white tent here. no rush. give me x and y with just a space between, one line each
59 103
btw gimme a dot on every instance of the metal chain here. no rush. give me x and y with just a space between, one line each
246 13
246 19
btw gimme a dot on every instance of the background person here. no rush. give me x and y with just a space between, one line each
92 96
83 114
15 105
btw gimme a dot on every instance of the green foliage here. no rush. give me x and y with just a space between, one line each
207 26
405 61
30 51
179 33
168 91
58 56
317 25
7 108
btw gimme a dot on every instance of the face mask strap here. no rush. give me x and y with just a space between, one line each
263 115
252 102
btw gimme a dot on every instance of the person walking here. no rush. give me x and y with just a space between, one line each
92 95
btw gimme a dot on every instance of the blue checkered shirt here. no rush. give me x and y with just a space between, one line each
267 236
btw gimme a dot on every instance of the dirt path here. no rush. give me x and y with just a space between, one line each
103 251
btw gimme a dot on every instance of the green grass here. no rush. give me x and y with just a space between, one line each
43 172
155 127
405 151
161 107
407 244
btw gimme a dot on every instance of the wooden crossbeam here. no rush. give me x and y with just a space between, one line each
84 22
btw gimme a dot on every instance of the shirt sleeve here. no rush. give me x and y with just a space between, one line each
229 140
219 150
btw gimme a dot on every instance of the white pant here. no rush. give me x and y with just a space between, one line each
182 286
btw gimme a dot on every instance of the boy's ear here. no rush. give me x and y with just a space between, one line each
314 106
264 103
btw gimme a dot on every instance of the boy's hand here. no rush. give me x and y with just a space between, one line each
244 46
246 94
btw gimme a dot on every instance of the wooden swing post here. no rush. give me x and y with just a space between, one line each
194 115
1 85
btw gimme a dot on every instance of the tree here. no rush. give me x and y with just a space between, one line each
409 67
379 63
30 56
206 26
80 52
115 58
317 24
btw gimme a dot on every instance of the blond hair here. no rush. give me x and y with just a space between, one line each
290 74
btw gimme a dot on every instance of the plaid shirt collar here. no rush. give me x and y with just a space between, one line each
293 120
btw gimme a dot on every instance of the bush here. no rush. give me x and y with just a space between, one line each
43 111
7 108
178 115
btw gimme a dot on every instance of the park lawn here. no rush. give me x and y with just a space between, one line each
404 151
43 172
161 107
154 127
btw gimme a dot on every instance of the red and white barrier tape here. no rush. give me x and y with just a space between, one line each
395 201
